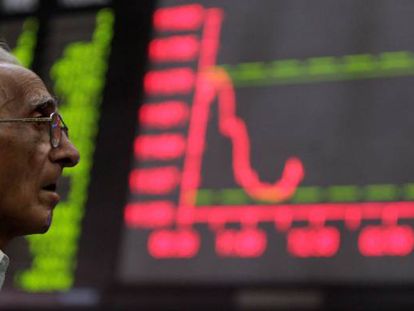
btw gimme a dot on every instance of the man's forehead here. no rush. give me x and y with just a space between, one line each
21 85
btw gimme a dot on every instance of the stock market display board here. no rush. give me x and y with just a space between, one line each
274 145
228 143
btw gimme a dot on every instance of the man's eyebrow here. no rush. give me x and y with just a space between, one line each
46 102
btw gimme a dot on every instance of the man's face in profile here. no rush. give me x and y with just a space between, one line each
29 166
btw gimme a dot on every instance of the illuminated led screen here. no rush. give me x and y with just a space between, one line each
274 144
269 143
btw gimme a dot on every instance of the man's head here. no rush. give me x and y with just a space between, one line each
29 166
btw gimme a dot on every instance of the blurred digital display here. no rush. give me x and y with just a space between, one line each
269 144
274 145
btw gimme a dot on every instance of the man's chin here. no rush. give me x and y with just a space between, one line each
47 224
39 226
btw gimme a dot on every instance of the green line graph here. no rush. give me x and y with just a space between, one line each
314 194
322 69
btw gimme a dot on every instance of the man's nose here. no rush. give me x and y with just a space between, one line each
66 154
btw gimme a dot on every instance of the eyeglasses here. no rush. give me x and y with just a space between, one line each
56 126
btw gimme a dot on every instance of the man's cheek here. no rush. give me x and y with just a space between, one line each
37 156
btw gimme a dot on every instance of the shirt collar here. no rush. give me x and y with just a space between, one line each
4 260
4 263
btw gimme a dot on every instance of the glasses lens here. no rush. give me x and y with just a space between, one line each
55 130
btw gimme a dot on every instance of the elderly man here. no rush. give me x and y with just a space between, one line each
34 149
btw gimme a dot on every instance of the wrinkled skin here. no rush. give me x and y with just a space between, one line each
28 163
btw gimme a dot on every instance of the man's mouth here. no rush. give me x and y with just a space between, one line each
50 195
50 187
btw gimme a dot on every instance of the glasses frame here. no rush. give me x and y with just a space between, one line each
53 141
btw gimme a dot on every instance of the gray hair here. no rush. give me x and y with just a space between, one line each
6 56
